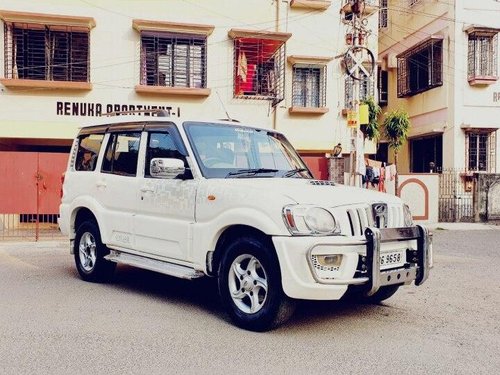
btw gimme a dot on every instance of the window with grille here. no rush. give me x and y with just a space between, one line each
173 60
259 69
309 86
480 147
482 55
383 86
366 90
420 68
383 15
45 52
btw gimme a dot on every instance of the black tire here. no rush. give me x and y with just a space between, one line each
89 254
385 292
250 269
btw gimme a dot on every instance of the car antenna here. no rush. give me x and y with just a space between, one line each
223 106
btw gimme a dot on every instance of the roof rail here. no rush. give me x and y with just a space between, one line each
154 111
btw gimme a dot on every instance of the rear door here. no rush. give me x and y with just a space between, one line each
116 186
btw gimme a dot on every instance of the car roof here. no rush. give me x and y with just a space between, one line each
110 123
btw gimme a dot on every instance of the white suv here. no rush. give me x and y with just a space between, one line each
235 202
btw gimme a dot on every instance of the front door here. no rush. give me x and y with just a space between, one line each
165 207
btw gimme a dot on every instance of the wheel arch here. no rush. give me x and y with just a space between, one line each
79 216
228 235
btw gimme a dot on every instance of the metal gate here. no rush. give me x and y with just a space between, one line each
456 196
30 194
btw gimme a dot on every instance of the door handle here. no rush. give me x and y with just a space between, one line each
146 189
101 184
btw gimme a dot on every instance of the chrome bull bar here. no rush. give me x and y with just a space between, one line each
417 270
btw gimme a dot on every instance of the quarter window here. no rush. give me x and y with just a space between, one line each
121 154
88 150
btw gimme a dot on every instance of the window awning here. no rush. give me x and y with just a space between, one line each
470 29
255 34
424 43
9 16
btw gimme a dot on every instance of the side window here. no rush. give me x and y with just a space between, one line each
88 149
161 145
121 154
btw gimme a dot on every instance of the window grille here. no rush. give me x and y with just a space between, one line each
383 87
309 86
482 56
366 90
173 60
42 52
383 15
259 69
480 150
420 68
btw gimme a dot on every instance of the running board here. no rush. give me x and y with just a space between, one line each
166 268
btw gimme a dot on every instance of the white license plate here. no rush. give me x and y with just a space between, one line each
393 259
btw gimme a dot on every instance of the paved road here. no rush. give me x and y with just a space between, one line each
144 323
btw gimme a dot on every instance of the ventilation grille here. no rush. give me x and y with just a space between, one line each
319 182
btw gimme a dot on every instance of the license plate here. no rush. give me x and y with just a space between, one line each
394 259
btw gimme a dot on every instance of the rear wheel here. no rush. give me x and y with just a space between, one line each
250 286
89 254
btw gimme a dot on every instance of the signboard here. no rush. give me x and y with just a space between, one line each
352 119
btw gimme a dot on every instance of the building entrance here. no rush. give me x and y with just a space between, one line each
30 190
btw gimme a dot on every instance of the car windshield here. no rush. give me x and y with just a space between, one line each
232 151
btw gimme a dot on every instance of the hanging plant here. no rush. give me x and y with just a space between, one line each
371 130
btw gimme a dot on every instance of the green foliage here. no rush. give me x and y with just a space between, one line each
396 128
372 130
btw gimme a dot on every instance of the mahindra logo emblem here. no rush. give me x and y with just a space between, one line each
380 214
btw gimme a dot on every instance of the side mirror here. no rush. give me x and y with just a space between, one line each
168 168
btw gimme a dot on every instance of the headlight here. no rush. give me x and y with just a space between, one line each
407 216
309 220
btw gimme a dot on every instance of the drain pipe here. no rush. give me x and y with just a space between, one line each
277 29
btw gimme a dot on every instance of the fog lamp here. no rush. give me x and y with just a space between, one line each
329 260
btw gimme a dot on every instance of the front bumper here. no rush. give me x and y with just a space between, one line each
360 264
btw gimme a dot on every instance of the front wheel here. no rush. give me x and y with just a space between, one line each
250 286
90 252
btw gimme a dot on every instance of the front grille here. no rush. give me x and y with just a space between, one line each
355 219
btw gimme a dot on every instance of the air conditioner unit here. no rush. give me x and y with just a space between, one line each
392 61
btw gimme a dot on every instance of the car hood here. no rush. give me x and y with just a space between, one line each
305 191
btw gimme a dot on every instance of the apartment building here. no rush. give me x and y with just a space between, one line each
439 60
269 63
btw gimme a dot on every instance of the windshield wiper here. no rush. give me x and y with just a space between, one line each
291 172
251 171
